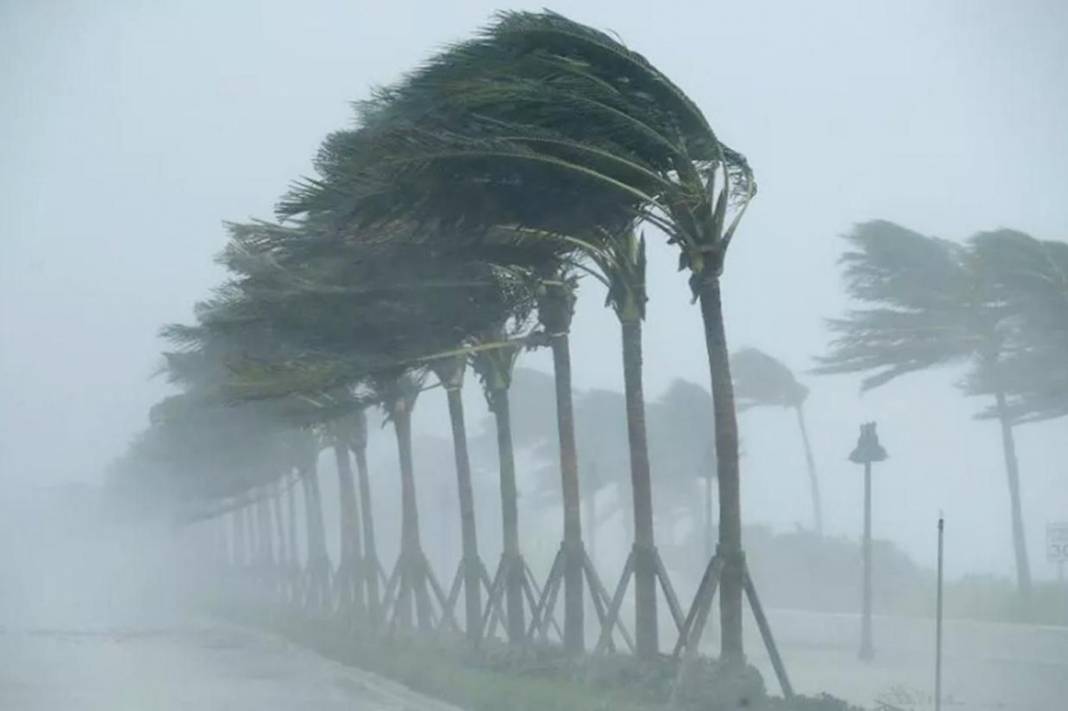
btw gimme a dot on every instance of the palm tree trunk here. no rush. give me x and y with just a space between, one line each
730 514
411 558
279 525
293 570
589 503
1012 470
646 632
251 546
468 530
813 479
238 553
511 558
318 561
263 517
370 552
351 548
706 484
574 637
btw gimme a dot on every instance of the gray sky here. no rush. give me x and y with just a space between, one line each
132 129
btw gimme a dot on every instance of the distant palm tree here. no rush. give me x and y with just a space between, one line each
685 454
762 381
933 302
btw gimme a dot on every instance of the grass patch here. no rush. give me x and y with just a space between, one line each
537 678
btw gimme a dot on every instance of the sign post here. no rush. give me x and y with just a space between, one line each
938 618
868 450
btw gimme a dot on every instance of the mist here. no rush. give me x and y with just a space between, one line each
133 131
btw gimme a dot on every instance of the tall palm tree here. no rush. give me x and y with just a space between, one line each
932 303
494 367
450 373
371 566
763 381
555 308
350 576
621 264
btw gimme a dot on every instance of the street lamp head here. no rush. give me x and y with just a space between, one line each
868 448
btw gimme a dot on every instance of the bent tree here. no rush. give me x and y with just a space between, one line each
763 381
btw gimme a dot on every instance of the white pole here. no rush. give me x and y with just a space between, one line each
938 621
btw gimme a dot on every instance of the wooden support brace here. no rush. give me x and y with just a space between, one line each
616 604
694 624
669 592
765 633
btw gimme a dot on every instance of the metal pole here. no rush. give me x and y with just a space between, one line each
938 621
867 652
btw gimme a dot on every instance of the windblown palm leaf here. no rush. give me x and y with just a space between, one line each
762 380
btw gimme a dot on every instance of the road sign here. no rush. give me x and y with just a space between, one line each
1057 542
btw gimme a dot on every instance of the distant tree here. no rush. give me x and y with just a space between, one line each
685 454
932 303
762 381
1030 278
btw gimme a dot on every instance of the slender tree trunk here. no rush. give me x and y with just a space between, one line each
318 560
351 549
411 548
706 484
370 551
1012 471
589 501
238 518
730 515
293 571
251 545
574 636
813 479
263 516
646 633
279 525
469 534
509 517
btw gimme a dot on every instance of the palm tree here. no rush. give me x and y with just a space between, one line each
450 373
621 266
556 307
932 304
762 381
350 577
494 367
371 566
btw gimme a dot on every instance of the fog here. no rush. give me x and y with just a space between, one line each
132 130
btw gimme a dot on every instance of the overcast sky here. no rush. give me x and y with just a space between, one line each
130 130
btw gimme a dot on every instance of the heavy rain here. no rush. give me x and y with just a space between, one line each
463 356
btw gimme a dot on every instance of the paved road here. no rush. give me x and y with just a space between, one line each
191 667
986 666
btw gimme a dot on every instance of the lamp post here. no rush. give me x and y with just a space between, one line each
868 450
